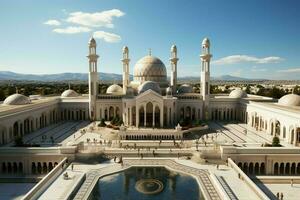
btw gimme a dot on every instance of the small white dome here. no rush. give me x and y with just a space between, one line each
206 42
69 93
114 89
169 91
290 100
185 88
16 99
238 93
149 85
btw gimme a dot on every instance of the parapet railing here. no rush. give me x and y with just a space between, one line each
247 180
41 186
29 150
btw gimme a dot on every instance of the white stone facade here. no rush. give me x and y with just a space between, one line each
147 101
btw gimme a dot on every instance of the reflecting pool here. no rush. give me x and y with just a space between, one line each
147 183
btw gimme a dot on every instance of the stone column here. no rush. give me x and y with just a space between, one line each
295 136
171 117
137 116
20 130
161 117
153 116
130 117
108 113
145 115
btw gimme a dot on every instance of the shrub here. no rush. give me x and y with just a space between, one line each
19 141
276 142
102 123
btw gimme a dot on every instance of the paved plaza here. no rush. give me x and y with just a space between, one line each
96 139
219 133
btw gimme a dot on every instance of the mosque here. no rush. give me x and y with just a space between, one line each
151 100
150 108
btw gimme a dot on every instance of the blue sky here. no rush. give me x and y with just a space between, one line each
250 38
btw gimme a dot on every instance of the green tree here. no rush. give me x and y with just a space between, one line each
19 141
102 123
248 89
296 90
2 95
276 142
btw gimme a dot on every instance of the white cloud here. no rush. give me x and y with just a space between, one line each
234 59
107 37
97 19
72 30
291 70
258 69
52 22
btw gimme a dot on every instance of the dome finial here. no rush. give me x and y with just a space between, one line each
150 52
17 90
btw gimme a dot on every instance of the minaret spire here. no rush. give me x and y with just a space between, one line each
173 61
125 62
205 76
93 78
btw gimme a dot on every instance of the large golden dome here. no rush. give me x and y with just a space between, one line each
150 68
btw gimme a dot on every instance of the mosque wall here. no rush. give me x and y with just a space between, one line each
275 121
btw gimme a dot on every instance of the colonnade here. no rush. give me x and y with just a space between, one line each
12 168
17 167
110 112
288 168
73 114
150 115
33 122
27 125
225 114
42 167
153 137
275 128
190 113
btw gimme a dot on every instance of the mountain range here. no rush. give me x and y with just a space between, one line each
8 75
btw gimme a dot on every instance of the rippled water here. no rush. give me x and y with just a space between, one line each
147 183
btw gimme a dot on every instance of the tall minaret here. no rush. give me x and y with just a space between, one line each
93 78
173 61
205 75
125 62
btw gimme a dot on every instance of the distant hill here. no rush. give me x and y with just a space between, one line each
7 75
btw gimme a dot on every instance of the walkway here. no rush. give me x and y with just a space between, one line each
202 175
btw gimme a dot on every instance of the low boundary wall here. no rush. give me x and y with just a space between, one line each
40 187
247 180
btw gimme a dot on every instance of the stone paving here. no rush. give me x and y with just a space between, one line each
289 192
